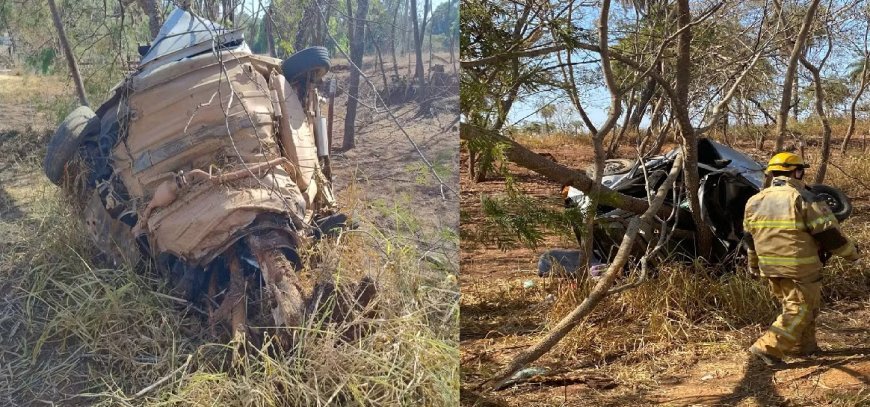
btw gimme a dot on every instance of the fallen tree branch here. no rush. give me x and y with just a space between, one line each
599 292
560 173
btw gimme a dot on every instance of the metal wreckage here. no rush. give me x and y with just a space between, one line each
728 179
213 162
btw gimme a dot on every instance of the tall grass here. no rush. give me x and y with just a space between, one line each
80 331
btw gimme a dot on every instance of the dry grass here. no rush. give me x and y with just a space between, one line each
80 332
648 339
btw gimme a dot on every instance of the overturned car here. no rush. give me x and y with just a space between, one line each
728 179
210 160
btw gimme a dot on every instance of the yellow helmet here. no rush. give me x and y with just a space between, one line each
785 162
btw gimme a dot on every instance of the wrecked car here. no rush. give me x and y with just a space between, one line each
209 161
728 179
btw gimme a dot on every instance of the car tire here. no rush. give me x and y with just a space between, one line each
839 203
313 60
614 166
66 140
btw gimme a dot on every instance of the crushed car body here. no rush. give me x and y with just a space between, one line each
728 179
206 160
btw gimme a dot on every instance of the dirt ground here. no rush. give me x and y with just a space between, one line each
503 311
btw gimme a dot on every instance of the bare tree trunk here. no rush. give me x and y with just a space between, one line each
270 36
861 88
229 9
419 32
614 142
601 289
70 57
452 42
796 103
323 23
660 138
150 7
826 126
393 39
357 47
796 52
654 127
350 25
645 97
381 63
687 131
598 137
305 32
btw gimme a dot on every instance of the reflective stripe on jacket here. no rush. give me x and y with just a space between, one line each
788 227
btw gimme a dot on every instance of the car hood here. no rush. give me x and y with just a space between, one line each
184 35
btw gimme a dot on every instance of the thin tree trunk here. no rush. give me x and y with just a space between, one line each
419 32
861 88
654 126
357 47
660 138
796 52
645 97
305 32
614 142
70 57
270 36
687 131
323 33
150 7
350 24
393 39
452 41
430 52
826 126
599 291
381 63
598 137
796 102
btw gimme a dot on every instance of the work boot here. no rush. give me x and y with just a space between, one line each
768 359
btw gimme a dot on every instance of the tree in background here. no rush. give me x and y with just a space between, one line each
357 48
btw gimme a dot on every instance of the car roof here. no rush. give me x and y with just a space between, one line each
184 35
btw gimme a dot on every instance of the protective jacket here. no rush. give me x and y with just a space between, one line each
788 228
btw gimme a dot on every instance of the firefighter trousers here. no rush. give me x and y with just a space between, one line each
794 331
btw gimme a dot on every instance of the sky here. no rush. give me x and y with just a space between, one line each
596 99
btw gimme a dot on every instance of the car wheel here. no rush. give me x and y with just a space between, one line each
66 140
614 166
313 60
839 203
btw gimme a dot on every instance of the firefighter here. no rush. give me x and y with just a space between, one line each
788 231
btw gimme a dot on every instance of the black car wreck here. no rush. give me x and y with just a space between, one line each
728 179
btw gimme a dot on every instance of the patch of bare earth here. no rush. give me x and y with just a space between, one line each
388 172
